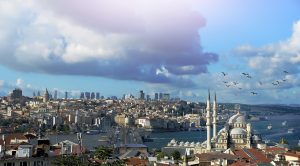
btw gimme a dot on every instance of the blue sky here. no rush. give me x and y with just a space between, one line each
176 46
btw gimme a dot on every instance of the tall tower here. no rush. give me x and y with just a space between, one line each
208 141
215 117
46 96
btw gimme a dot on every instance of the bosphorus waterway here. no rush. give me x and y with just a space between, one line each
160 139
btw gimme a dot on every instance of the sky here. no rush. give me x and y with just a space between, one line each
172 46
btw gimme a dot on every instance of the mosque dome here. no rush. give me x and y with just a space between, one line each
237 118
238 131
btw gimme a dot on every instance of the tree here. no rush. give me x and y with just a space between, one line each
283 141
161 155
67 160
176 155
103 153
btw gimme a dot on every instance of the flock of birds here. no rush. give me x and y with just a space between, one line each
248 76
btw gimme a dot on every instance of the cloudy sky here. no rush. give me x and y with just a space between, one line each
174 46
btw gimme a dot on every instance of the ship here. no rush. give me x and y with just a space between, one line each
147 139
92 132
284 123
269 127
291 130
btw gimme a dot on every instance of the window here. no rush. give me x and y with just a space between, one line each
9 164
23 163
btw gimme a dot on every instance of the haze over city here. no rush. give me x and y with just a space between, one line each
179 47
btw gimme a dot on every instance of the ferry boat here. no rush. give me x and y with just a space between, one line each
291 130
284 123
269 127
92 132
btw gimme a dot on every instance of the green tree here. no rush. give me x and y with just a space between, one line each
68 160
161 155
283 141
176 155
103 153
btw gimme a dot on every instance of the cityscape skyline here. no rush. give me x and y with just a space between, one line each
174 47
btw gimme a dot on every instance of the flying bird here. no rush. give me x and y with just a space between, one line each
254 93
240 88
260 83
225 82
286 72
228 85
245 74
274 83
248 76
283 80
224 74
235 83
277 82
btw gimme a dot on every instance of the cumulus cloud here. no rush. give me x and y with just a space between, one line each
276 57
19 82
132 40
267 65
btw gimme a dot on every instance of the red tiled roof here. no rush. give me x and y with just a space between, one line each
243 163
136 161
272 149
254 156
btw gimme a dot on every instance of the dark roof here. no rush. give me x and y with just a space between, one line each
215 155
169 150
134 146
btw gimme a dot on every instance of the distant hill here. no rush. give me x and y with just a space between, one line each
276 108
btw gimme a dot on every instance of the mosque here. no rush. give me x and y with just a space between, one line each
236 134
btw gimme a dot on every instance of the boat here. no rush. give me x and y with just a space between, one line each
291 130
269 127
298 142
92 132
284 123
147 139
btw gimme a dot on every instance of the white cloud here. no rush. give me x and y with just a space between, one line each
1 83
120 40
19 82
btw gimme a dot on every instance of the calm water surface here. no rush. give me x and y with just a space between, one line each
161 139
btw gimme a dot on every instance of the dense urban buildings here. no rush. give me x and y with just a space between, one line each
123 124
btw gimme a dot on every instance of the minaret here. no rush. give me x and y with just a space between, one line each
208 143
215 117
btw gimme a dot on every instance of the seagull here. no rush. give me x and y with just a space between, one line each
254 93
225 82
224 74
240 88
286 72
260 83
235 83
228 85
277 82
274 83
284 80
248 76
245 74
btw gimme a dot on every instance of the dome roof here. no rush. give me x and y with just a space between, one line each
241 119
237 118
222 130
238 131
173 141
256 138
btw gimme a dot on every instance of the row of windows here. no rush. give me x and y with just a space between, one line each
25 163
